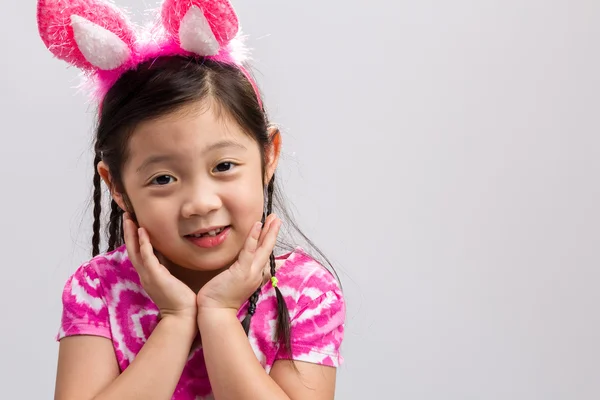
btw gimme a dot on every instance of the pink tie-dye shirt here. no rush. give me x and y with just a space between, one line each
104 298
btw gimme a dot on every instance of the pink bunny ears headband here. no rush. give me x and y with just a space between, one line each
98 38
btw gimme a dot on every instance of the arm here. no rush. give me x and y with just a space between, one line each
87 366
233 369
235 372
318 323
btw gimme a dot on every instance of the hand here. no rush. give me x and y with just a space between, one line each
171 296
236 284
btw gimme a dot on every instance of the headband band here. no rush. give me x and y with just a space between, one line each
99 39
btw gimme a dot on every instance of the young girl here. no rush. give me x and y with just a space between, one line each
189 301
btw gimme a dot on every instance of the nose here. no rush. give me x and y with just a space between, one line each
201 201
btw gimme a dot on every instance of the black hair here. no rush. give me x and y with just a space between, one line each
163 86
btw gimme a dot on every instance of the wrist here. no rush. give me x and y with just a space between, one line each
181 326
202 311
215 313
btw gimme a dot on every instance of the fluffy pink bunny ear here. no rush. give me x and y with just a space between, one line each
89 34
200 26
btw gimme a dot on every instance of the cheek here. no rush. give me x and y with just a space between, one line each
145 209
246 202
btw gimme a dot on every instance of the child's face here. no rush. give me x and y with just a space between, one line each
190 172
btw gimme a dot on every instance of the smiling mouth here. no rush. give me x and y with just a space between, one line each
211 233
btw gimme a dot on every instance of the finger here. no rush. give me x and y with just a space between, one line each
161 259
268 244
268 221
149 261
131 240
246 256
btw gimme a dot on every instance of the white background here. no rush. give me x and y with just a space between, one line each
445 154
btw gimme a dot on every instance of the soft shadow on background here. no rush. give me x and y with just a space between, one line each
446 155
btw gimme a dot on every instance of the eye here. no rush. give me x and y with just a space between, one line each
224 167
162 180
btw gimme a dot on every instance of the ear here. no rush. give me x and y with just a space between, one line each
272 153
200 26
104 173
89 34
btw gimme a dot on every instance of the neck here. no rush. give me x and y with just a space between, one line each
195 280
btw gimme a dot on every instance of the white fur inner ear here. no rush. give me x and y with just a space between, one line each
101 47
195 34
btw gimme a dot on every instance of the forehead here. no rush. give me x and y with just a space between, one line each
191 129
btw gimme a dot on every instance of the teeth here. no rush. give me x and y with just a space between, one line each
210 233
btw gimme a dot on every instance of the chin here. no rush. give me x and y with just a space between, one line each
212 260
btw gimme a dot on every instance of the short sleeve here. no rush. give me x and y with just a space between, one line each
317 330
84 307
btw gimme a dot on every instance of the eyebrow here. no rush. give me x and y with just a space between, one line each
155 160
222 145
159 158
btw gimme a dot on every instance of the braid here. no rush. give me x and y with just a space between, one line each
283 315
251 310
115 227
270 190
253 299
97 208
